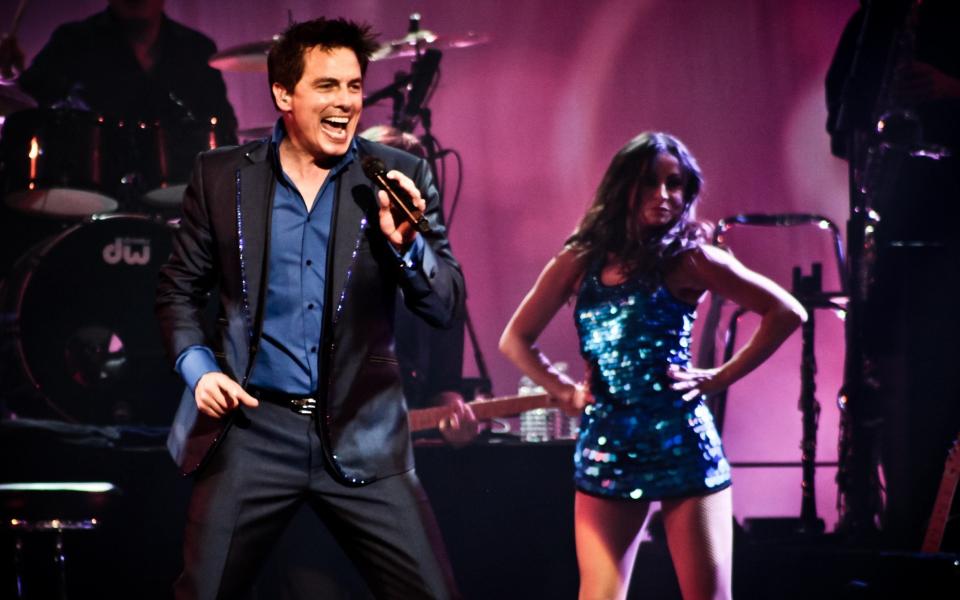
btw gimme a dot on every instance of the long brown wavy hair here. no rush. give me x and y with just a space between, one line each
611 225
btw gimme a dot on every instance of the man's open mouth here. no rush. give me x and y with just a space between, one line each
336 126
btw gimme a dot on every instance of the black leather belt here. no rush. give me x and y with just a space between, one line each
295 402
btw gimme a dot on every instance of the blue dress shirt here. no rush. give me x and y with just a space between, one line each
296 283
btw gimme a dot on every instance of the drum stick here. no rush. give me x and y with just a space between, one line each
16 18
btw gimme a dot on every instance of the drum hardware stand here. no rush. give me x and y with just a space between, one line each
392 91
484 384
55 499
408 110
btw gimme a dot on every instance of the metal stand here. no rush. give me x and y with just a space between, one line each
411 94
808 289
485 385
50 507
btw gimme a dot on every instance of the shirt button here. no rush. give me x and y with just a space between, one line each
310 306
309 262
313 349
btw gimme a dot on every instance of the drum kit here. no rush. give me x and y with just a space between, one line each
79 340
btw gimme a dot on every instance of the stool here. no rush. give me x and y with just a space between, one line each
52 507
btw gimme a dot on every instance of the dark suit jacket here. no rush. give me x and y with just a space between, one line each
223 243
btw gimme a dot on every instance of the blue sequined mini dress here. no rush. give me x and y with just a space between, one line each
640 440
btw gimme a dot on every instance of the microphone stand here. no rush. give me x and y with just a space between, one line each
485 384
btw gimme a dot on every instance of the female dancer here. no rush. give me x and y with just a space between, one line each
638 266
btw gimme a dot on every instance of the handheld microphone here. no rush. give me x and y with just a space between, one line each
374 168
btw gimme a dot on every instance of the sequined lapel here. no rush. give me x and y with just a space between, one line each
254 201
353 210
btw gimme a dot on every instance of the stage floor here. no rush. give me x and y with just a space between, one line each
505 509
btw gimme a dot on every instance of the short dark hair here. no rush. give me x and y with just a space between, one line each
285 59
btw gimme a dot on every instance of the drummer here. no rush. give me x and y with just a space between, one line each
129 61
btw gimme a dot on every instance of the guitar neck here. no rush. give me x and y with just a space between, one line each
941 508
422 419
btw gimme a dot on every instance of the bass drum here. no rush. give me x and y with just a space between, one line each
79 309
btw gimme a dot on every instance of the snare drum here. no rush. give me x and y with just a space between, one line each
58 162
79 311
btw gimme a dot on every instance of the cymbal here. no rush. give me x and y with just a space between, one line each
417 42
12 98
252 57
245 58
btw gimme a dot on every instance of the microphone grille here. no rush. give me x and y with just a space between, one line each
373 167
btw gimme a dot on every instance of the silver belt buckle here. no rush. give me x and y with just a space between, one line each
303 406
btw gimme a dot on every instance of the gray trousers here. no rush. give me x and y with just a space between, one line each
269 464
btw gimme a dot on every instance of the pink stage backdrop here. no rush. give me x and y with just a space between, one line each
539 110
